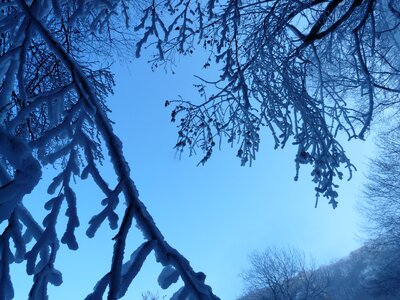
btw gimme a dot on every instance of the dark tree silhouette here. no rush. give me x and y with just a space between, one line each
281 274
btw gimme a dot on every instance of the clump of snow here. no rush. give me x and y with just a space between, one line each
168 276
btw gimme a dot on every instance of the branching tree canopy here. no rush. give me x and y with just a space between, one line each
305 70
381 209
381 204
53 110
282 274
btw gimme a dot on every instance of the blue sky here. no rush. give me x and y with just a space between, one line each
214 214
218 213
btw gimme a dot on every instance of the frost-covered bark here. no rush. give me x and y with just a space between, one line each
306 70
52 109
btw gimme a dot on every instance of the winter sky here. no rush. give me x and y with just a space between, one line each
215 214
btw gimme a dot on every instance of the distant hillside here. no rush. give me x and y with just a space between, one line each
371 272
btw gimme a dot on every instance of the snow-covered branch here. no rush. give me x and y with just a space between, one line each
304 70
53 109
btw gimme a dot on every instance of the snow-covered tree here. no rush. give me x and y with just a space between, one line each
52 110
306 70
